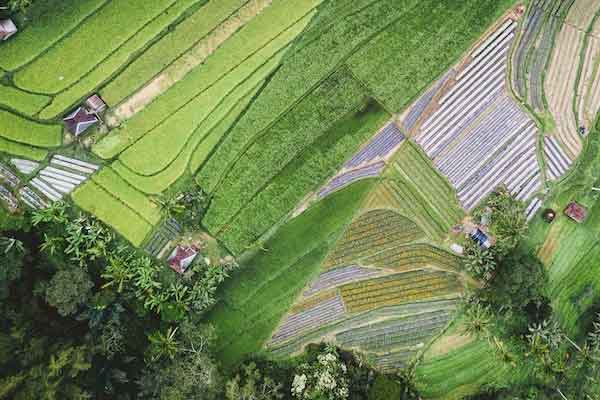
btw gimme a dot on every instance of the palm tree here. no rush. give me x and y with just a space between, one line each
163 344
169 204
51 244
117 273
11 244
478 320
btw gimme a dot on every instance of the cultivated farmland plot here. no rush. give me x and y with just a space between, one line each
478 137
588 90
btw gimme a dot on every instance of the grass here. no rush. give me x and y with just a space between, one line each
339 28
314 116
95 200
222 95
460 372
22 150
269 281
200 145
254 36
72 58
117 60
23 102
305 173
48 22
21 130
170 47
405 58
119 188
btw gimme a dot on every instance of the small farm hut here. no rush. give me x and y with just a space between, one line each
95 104
7 29
576 212
182 257
79 121
481 238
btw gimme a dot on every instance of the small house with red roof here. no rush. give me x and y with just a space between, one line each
7 28
79 121
182 257
576 212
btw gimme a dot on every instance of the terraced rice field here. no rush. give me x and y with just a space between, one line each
478 137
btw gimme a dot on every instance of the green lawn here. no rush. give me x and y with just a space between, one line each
21 130
262 291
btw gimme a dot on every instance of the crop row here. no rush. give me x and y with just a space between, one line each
338 276
307 65
413 255
18 129
226 67
23 102
112 64
533 24
114 184
93 199
118 21
50 22
170 47
22 150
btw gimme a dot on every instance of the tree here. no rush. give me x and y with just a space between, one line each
509 223
12 253
326 378
20 5
479 262
252 384
69 289
478 320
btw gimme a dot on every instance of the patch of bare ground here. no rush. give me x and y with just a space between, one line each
582 13
546 252
187 62
560 87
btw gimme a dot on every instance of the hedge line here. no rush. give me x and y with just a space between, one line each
253 37
280 144
21 130
169 48
315 55
116 60
76 55
119 188
92 198
49 21
23 102
304 174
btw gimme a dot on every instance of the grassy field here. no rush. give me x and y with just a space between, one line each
112 64
68 61
21 130
317 113
48 22
256 297
23 102
402 60
170 47
110 210
459 372
303 174
228 59
108 179
22 150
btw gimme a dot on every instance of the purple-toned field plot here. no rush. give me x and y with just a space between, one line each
478 137
379 147
320 314
339 276
346 178
556 159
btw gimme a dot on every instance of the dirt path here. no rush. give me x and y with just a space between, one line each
190 60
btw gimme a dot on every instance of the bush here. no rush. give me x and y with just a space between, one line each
385 388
